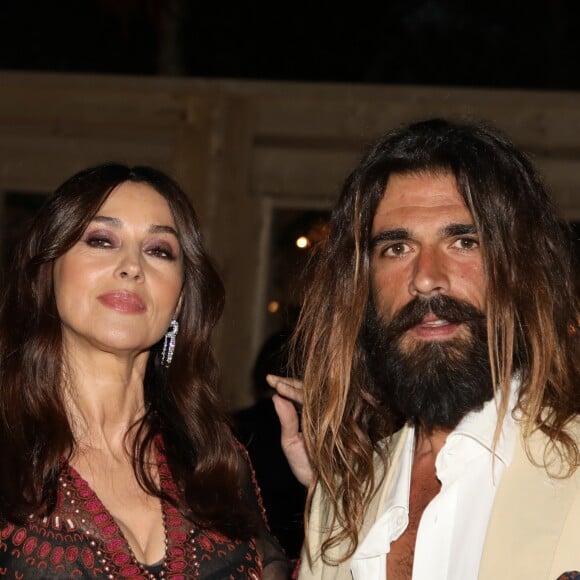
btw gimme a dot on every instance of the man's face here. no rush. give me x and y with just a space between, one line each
424 244
426 331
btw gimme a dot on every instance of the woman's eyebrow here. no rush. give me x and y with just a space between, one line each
153 228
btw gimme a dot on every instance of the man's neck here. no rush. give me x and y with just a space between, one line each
429 442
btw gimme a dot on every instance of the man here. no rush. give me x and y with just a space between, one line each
441 365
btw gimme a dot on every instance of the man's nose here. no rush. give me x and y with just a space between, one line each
430 275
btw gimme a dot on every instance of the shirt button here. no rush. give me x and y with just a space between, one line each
400 521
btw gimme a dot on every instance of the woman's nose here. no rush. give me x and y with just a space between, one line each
130 266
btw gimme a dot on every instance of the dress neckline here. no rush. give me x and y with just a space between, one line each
109 530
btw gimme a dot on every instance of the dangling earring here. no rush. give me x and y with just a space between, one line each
169 344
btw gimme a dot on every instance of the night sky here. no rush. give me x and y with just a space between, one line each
474 44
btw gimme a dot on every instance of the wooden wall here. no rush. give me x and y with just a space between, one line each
242 149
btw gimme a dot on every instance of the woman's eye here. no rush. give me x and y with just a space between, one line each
161 252
95 241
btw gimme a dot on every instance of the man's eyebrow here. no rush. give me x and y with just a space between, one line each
402 234
389 236
153 229
458 230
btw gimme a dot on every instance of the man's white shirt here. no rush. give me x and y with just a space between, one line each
452 529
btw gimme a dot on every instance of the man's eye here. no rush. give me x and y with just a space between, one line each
466 243
395 250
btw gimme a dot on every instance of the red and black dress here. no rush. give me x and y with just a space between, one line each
80 539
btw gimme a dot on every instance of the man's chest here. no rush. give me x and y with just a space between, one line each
424 487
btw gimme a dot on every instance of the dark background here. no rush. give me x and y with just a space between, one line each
471 43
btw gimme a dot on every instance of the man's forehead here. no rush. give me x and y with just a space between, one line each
396 179
417 189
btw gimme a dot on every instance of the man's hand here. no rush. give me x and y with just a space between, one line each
288 398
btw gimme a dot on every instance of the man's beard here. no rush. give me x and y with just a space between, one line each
433 383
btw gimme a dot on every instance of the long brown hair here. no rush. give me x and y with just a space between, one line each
532 308
183 409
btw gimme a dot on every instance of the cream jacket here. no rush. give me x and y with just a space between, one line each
534 529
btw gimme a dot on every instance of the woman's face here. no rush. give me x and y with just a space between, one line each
118 287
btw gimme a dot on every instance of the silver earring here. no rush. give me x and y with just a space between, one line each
169 344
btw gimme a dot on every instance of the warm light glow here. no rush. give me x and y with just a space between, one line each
303 242
273 306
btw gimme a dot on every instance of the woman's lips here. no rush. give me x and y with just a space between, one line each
127 302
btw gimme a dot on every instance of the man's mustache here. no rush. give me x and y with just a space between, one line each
444 307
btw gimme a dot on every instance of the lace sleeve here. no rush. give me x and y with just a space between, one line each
274 560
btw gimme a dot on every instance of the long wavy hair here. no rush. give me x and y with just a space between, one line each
532 308
183 409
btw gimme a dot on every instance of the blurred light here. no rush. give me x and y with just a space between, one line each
302 242
273 306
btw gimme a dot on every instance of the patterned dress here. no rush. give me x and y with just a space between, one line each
81 539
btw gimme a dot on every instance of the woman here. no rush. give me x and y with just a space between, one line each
117 459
